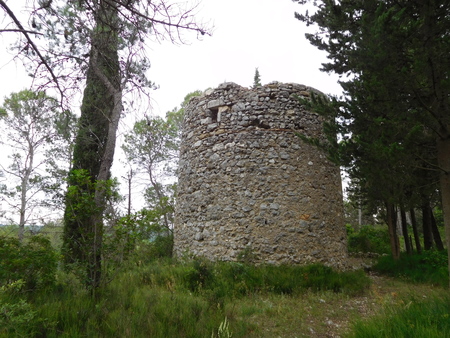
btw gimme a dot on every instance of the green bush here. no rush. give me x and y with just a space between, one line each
369 239
231 279
34 262
19 319
428 267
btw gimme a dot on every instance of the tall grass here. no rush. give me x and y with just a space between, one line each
164 299
428 267
427 319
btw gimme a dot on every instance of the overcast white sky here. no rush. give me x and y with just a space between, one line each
247 34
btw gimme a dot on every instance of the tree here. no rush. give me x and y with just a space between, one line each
395 56
33 132
153 147
256 79
102 41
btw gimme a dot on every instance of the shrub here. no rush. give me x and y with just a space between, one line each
368 239
18 318
33 262
231 279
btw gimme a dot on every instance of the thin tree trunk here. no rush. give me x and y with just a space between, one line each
160 199
405 230
23 205
392 227
435 231
24 189
426 224
415 231
130 177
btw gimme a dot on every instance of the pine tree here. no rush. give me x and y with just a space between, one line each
396 105
256 79
104 43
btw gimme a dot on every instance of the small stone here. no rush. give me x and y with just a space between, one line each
215 103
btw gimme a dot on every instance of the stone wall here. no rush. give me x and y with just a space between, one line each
248 182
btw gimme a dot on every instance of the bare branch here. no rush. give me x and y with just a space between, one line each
19 30
33 45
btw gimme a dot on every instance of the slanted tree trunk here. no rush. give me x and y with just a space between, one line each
95 146
405 230
412 213
435 231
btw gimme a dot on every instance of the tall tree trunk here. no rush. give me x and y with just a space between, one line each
392 227
405 230
23 205
129 178
24 189
94 148
443 149
435 231
160 197
426 224
415 231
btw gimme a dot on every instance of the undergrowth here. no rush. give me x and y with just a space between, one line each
163 298
427 267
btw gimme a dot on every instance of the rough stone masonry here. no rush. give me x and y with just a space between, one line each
248 183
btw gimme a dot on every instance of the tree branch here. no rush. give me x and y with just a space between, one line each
19 30
26 33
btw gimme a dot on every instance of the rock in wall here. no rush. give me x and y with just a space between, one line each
248 182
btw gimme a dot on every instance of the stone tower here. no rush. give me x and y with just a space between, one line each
248 182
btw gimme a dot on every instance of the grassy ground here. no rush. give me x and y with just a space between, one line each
327 314
164 298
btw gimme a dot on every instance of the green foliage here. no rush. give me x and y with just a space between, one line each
37 136
428 267
80 203
390 78
247 256
152 147
33 262
175 116
164 299
257 79
161 247
83 223
131 305
412 318
140 236
228 279
369 239
19 319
